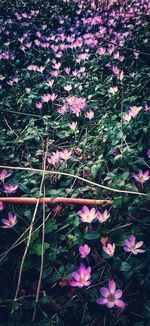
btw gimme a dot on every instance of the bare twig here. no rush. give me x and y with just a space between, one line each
74 176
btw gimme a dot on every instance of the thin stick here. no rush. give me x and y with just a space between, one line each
29 239
73 176
28 200
42 249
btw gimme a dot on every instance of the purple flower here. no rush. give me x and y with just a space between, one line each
141 177
148 153
109 249
1 205
84 251
87 215
10 222
111 296
4 175
102 217
10 189
81 277
131 246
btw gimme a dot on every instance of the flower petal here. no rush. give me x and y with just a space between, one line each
118 294
120 303
112 286
101 301
104 292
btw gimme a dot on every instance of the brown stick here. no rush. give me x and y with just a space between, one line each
28 200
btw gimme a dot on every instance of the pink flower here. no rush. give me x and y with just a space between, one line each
81 277
111 296
54 159
10 222
62 110
89 115
72 125
146 108
134 111
10 189
68 88
141 177
102 217
1 205
50 83
67 70
87 215
4 175
65 155
109 249
46 98
38 105
131 246
84 251
148 153
113 90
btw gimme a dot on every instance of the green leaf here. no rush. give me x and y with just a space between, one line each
92 235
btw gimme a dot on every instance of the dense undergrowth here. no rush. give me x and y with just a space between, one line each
74 86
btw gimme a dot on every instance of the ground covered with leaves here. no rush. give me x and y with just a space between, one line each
75 104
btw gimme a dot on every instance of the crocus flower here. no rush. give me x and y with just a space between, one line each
72 125
4 175
68 88
84 251
111 296
134 110
148 153
65 155
81 277
38 105
10 189
141 177
87 215
10 222
46 98
102 217
113 90
89 115
109 249
131 246
1 205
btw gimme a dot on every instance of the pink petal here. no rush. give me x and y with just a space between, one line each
112 286
82 270
73 283
101 301
104 292
146 174
76 276
118 294
87 283
138 244
120 303
110 304
127 243
141 251
85 209
132 240
6 222
127 249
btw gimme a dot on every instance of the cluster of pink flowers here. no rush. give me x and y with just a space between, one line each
134 110
8 188
59 156
88 215
73 104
